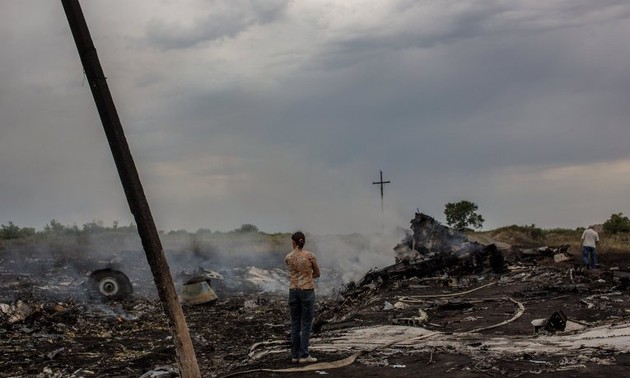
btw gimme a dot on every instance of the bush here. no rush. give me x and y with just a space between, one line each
11 231
617 223
245 228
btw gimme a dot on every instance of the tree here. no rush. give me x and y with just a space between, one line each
55 227
247 228
10 231
463 215
617 223
94 227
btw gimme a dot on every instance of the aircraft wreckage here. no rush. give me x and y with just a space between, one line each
436 249
448 306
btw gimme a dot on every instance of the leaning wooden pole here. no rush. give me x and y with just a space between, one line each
138 204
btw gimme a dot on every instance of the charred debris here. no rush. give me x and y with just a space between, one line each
433 249
434 256
437 251
447 305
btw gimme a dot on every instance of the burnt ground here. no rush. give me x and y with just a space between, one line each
475 326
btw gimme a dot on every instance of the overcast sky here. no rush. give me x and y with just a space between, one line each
281 113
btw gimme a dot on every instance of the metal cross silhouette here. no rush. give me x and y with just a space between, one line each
381 183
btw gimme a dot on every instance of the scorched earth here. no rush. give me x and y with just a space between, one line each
538 316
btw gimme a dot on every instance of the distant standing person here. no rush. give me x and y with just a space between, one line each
303 269
590 241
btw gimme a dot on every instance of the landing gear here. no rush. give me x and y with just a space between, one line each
109 284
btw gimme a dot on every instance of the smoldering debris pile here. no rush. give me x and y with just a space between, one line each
437 250
441 256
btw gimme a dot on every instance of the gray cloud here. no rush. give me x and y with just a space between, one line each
223 19
281 114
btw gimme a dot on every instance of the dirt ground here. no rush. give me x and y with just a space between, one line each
471 326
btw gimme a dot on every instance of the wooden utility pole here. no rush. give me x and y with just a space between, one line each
381 183
132 186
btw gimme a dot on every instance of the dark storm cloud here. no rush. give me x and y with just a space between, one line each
425 25
457 97
223 19
235 109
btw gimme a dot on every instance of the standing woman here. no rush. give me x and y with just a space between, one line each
303 269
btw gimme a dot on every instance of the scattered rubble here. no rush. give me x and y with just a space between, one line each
447 307
198 289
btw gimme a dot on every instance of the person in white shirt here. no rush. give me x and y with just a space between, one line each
590 241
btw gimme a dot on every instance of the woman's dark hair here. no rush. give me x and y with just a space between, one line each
299 239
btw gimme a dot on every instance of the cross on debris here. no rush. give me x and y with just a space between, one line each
381 183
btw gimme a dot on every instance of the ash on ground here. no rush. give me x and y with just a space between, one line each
447 306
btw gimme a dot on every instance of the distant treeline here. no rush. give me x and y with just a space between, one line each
54 228
616 224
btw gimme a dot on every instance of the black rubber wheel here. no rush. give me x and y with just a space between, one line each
109 284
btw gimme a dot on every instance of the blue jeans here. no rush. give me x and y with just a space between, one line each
302 305
589 257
